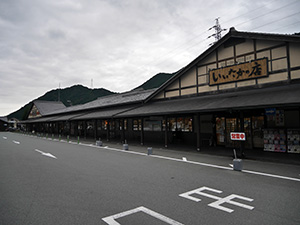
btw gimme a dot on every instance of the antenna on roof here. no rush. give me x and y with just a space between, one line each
218 31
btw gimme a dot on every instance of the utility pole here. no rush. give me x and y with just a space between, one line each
218 31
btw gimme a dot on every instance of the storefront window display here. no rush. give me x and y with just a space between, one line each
90 128
121 124
231 126
224 126
275 117
220 130
104 124
184 124
137 124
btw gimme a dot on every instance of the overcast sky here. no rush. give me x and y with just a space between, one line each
118 44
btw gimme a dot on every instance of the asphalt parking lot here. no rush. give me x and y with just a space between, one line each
44 181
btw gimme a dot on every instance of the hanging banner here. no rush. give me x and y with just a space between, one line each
243 71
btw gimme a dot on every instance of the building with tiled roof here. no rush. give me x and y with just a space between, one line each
245 85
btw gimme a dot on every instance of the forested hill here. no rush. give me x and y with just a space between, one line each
74 95
156 81
79 94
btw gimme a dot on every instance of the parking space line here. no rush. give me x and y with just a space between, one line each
271 175
111 220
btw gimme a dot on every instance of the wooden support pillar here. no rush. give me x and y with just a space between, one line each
242 129
166 131
142 131
84 128
123 131
108 130
75 128
198 132
57 128
95 129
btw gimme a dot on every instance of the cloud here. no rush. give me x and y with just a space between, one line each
118 43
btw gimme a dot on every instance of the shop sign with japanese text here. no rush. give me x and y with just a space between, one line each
244 71
238 136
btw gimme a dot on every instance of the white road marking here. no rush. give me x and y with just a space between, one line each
271 175
192 162
16 142
5 138
111 220
203 164
228 200
217 204
184 159
231 165
198 163
46 154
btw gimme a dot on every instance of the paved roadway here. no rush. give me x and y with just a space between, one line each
51 182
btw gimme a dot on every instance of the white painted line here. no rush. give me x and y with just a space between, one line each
46 154
271 175
184 159
5 138
191 162
16 142
111 220
201 164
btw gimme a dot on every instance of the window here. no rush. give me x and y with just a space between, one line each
104 124
184 124
121 124
152 125
137 125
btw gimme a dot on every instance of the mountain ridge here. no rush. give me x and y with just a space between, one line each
79 94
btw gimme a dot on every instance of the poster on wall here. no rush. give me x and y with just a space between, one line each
275 117
279 118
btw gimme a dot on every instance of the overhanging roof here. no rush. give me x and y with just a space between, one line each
103 113
131 97
248 99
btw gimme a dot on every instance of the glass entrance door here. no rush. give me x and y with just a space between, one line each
257 130
233 125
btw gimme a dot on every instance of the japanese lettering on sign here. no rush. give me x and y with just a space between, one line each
254 69
238 136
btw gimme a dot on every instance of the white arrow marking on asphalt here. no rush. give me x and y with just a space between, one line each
16 142
5 138
46 154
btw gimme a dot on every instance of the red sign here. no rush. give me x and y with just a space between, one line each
238 136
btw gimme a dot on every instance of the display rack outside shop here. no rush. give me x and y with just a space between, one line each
277 140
